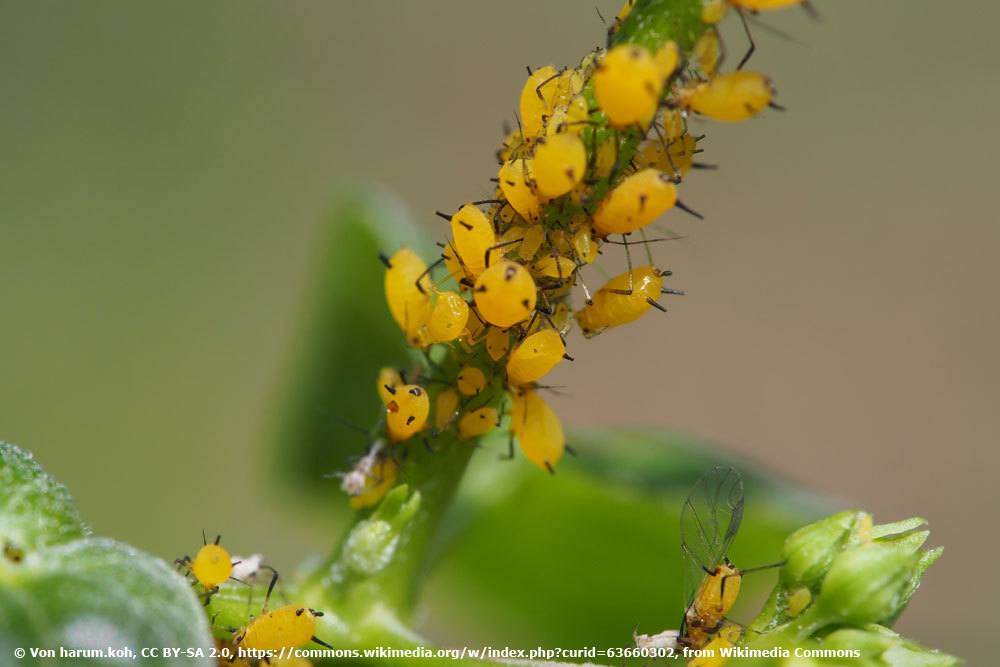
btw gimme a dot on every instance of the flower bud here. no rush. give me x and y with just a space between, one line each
878 643
866 584
810 550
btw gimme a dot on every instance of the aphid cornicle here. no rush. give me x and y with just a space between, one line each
635 202
534 357
733 96
406 414
537 428
627 85
623 299
409 303
505 294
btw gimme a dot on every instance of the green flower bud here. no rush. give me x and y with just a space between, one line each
810 550
866 584
882 644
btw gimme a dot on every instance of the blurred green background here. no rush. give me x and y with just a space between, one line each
165 168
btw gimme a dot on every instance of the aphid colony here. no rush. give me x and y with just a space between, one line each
596 159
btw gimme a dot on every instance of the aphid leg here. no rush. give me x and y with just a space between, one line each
628 261
320 642
746 30
385 260
538 88
572 452
492 248
666 149
439 214
427 272
548 466
645 245
270 587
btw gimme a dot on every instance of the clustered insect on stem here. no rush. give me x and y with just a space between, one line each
596 159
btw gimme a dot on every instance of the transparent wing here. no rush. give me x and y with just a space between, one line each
709 520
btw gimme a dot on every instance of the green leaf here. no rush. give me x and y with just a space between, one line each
35 510
346 335
59 588
96 593
583 557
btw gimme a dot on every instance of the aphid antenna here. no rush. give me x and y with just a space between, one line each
548 466
480 202
704 165
769 566
675 292
570 450
777 107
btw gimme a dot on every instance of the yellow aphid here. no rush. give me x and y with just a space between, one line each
765 5
505 294
707 51
212 565
711 603
448 317
666 59
406 414
637 201
474 329
671 123
713 11
409 304
798 601
537 99
560 163
584 245
473 236
287 627
733 96
605 158
476 423
531 240
572 118
386 382
378 481
445 408
677 158
555 267
712 655
471 381
628 85
534 357
516 184
497 343
538 429
455 268
621 300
